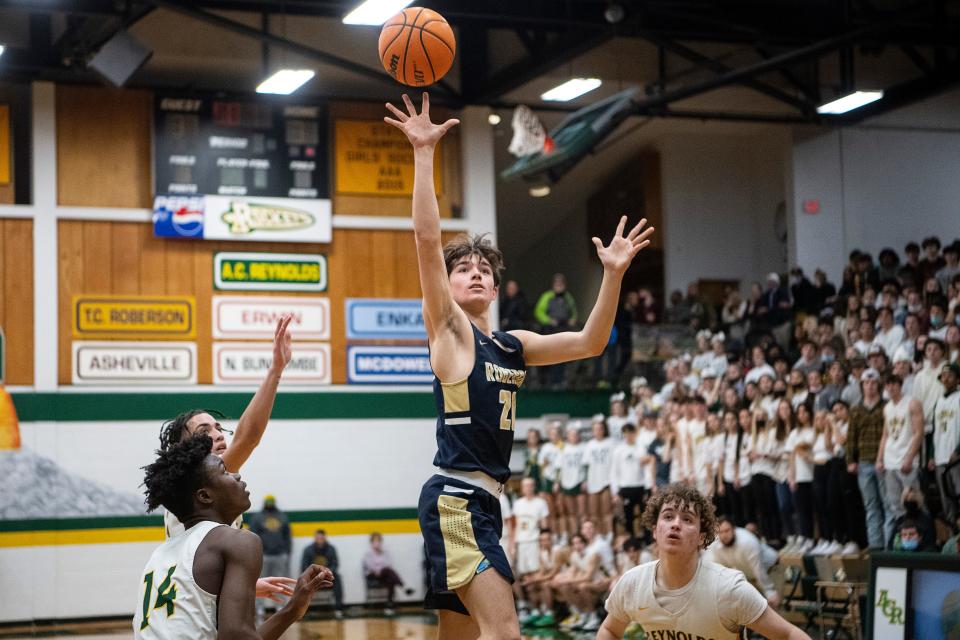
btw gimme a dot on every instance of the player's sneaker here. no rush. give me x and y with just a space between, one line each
591 623
573 621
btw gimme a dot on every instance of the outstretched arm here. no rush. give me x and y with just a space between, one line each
447 325
590 341
254 420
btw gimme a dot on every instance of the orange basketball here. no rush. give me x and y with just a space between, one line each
417 46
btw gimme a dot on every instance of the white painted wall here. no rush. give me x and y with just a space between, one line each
882 184
720 193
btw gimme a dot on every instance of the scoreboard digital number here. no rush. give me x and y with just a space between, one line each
211 145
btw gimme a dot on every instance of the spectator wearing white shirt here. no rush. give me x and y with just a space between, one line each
598 456
799 446
549 460
573 475
946 438
760 366
620 414
889 335
809 357
903 366
926 383
898 458
737 548
728 488
627 481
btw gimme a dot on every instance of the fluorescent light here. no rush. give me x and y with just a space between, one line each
285 81
571 89
850 102
540 191
2 49
375 12
494 119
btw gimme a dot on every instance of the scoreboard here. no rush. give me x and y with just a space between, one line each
247 146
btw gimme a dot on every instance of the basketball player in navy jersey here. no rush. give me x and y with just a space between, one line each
477 374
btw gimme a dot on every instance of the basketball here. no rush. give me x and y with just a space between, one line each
417 46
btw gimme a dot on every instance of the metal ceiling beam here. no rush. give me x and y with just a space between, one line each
290 45
553 55
771 64
904 94
718 67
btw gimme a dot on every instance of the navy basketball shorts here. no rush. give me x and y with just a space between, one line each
461 526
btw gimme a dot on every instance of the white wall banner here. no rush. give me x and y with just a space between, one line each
255 317
890 603
385 319
380 364
267 219
134 363
248 362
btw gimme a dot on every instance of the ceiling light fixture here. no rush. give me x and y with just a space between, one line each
540 191
285 81
573 88
494 119
375 12
850 102
2 49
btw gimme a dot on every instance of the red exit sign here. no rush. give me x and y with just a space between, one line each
811 207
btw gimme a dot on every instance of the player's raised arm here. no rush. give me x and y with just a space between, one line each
590 341
440 311
254 420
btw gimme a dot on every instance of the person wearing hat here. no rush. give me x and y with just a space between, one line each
863 445
945 457
273 529
877 359
902 366
927 387
951 256
898 457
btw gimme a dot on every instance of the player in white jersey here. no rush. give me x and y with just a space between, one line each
250 429
681 594
201 583
898 457
598 457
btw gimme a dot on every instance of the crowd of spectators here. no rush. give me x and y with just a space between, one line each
820 421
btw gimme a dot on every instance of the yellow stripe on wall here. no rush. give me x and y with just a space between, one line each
155 534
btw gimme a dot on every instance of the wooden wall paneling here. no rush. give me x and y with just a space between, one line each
383 264
17 317
98 257
104 147
153 261
125 260
203 291
71 281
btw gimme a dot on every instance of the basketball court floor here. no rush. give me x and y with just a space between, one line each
406 626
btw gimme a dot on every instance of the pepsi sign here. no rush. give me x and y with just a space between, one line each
178 216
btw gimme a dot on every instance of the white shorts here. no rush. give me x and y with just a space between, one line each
528 557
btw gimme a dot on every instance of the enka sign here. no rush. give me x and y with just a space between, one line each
382 319
388 365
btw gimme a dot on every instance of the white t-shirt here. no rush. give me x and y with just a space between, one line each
896 422
763 447
946 427
572 464
601 548
803 470
821 455
715 604
547 459
615 424
599 457
529 513
756 373
645 438
730 457
626 470
890 340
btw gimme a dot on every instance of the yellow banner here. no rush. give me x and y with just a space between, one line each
151 317
4 144
375 159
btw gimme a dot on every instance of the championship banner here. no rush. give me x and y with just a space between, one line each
375 159
270 272
255 317
127 317
134 363
242 218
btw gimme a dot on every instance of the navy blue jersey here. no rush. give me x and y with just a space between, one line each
476 416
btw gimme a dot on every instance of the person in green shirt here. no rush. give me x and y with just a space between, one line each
556 311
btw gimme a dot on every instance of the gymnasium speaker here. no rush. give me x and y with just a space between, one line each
120 58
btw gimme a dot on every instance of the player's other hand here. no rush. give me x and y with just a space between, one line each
282 352
313 579
622 248
417 126
277 589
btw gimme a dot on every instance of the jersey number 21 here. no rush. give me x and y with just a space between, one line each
508 417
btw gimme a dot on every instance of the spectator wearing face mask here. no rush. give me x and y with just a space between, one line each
938 314
915 512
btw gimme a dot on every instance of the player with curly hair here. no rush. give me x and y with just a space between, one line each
681 593
201 583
